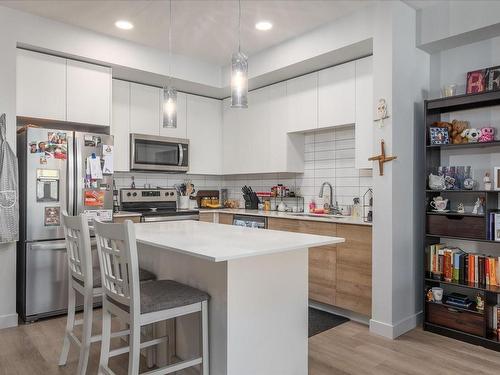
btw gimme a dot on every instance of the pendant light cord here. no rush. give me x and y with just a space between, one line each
239 25
170 44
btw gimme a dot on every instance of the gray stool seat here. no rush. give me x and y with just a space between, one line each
164 295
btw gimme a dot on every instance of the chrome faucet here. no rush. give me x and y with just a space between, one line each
334 208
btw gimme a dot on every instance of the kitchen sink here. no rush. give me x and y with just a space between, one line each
326 216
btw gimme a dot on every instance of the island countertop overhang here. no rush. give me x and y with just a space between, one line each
220 243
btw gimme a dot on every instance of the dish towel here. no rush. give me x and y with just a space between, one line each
9 193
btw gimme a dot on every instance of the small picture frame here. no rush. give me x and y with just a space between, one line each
496 178
476 81
493 78
439 136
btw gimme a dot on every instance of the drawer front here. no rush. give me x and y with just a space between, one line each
456 319
457 226
207 217
225 218
121 219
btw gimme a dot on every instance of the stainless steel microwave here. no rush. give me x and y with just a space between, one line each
155 153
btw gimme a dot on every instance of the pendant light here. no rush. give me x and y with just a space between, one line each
239 72
169 92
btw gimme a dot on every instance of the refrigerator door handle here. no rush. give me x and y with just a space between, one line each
71 178
181 154
49 246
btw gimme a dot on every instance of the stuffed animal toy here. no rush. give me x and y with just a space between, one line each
471 134
458 128
487 135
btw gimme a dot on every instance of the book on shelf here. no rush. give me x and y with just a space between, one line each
494 321
493 227
452 264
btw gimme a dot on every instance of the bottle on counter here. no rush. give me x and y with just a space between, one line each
356 208
312 205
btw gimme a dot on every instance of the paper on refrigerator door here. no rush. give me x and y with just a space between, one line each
94 167
107 154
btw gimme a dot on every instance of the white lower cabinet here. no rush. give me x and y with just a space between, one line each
120 127
364 113
204 131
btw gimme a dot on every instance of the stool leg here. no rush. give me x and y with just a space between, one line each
106 339
204 334
70 322
134 355
86 333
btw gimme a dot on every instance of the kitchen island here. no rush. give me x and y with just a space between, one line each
258 284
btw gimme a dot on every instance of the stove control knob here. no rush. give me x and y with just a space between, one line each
171 193
128 194
166 194
135 194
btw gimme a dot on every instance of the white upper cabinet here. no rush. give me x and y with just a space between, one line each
41 85
88 93
233 139
144 109
255 139
181 130
204 131
336 95
364 112
120 127
302 103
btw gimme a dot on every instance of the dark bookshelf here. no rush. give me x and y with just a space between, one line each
440 226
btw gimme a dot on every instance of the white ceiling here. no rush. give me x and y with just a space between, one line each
202 29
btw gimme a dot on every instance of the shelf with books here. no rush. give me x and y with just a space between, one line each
453 213
466 145
473 233
484 288
462 191
444 236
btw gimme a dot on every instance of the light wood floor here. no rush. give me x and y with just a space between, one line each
346 349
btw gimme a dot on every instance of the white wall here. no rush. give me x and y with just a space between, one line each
451 66
449 24
8 316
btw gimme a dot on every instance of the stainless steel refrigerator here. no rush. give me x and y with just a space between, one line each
58 171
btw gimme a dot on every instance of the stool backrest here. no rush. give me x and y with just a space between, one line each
79 253
117 249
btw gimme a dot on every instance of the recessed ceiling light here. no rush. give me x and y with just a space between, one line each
124 25
264 25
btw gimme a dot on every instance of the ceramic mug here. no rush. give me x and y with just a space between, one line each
437 293
439 205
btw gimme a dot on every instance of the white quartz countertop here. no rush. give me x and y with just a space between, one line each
219 242
126 214
289 215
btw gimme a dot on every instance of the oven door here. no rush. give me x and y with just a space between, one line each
155 153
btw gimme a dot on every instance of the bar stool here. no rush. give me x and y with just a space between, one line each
141 304
86 280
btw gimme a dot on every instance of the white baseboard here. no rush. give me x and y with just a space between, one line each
363 319
393 331
7 321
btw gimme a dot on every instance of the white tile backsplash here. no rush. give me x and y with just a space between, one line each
329 156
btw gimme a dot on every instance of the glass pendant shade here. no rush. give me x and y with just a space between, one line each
169 107
239 80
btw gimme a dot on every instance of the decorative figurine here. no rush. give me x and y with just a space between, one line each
381 112
478 206
430 296
479 302
487 181
461 208
468 183
487 135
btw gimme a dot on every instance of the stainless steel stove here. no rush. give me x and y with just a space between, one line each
155 205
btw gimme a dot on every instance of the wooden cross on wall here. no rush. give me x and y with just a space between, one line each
382 158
